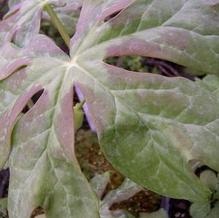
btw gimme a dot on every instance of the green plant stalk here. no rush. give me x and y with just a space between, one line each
78 115
58 24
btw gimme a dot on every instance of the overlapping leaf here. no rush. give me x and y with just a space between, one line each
182 31
149 126
23 20
126 190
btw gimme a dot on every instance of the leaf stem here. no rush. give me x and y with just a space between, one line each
58 24
78 115
79 105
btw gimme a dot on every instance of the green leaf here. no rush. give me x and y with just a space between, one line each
209 209
3 207
149 126
199 210
69 14
43 167
99 183
209 178
184 32
211 82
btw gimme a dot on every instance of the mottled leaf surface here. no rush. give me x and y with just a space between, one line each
207 210
23 20
204 210
182 31
43 167
149 126
3 207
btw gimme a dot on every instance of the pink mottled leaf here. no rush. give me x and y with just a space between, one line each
150 127
42 158
23 20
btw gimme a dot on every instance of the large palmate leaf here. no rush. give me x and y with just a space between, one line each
149 126
22 21
43 167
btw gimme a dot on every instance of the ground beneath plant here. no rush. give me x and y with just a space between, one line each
93 162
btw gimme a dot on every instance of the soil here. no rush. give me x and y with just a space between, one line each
93 162
3 8
4 180
179 208
143 202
